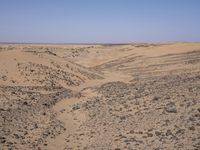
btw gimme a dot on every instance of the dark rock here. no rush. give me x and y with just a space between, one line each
168 133
16 136
25 103
157 133
156 98
76 108
122 117
192 128
2 140
171 108
149 134
180 131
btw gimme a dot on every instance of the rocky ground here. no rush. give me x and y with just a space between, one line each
100 97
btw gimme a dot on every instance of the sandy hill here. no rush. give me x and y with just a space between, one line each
39 68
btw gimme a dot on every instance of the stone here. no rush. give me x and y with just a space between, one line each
171 108
149 134
168 133
157 133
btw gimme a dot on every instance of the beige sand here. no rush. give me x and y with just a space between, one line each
128 96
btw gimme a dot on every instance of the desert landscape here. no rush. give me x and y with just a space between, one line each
137 96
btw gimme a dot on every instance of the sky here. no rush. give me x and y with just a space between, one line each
99 21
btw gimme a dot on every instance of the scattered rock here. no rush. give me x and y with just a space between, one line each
157 133
192 128
149 134
171 108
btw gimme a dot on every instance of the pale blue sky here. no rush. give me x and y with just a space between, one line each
99 21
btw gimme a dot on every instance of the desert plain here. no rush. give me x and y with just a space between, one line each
100 96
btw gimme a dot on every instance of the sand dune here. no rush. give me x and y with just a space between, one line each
126 96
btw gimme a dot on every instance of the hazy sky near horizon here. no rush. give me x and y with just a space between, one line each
99 21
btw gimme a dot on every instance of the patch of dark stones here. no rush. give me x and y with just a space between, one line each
167 98
26 118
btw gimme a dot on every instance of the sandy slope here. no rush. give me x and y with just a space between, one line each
129 96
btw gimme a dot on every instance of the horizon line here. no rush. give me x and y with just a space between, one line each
96 43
